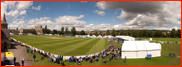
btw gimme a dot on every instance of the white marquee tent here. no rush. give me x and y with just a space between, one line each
140 49
110 36
99 36
104 36
93 36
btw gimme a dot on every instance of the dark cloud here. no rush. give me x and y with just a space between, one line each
134 6
142 14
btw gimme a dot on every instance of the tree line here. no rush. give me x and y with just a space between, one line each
62 32
134 33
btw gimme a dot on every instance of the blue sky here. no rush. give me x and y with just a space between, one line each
90 15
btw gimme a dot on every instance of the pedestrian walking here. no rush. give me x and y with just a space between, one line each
125 59
22 62
34 56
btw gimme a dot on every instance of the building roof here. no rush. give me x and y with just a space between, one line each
3 36
128 38
4 20
27 29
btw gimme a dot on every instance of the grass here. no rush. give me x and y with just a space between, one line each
163 39
66 46
164 60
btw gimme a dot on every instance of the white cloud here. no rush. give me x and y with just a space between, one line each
3 8
115 13
15 24
15 13
11 4
37 8
16 8
113 20
70 20
23 5
83 1
23 12
102 13
165 28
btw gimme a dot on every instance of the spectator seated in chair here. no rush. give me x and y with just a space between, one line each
104 60
86 58
45 55
32 51
70 60
96 59
42 58
96 56
93 56
62 63
74 59
83 58
54 59
79 63
57 59
80 59
91 60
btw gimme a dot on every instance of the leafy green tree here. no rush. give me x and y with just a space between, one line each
82 32
108 32
48 31
67 31
145 33
173 33
178 33
103 34
77 33
100 33
151 33
91 34
73 31
134 33
33 31
113 33
24 32
96 34
126 32
129 32
117 33
141 33
45 30
121 32
137 33
62 31
167 35
158 33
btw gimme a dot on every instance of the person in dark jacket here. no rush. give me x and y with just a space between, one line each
62 63
14 59
42 57
91 60
22 62
34 56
